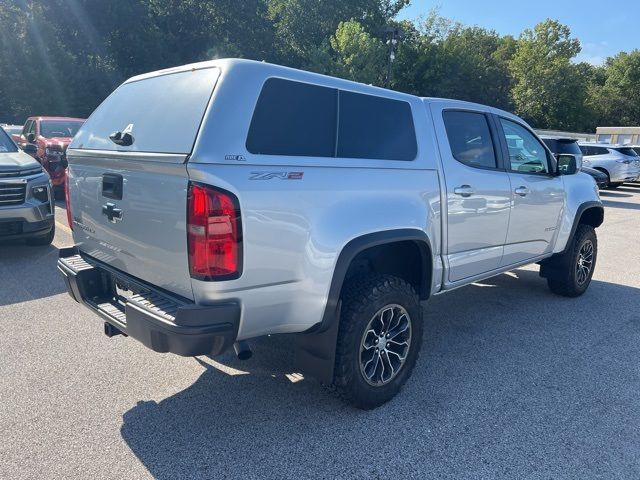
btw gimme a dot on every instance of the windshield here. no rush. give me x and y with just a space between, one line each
6 144
630 152
563 146
59 128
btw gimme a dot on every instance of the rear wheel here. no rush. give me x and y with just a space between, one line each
570 274
379 339
41 240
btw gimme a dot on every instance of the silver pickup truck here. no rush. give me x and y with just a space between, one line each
222 201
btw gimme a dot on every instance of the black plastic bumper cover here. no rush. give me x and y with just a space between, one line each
160 321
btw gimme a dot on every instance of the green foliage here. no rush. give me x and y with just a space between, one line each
65 56
618 99
548 89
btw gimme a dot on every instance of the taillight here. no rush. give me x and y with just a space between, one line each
213 233
67 203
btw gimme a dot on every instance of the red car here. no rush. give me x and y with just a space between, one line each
51 136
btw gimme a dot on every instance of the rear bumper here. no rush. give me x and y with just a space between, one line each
160 321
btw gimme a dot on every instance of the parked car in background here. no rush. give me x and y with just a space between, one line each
289 202
560 145
12 130
26 196
601 179
620 163
51 136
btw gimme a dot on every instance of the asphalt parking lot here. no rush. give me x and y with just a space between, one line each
513 382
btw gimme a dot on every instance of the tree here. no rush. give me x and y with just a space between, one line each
359 56
617 97
549 90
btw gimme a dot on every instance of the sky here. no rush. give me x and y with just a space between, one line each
603 27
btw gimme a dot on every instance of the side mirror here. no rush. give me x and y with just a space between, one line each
31 138
30 148
567 164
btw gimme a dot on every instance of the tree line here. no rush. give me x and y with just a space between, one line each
63 57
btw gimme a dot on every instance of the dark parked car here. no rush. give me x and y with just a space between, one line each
559 145
601 178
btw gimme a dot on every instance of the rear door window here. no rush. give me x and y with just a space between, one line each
294 119
470 138
626 151
162 114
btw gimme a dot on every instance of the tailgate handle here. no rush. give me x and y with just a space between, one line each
112 186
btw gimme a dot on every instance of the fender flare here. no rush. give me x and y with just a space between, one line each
316 348
576 220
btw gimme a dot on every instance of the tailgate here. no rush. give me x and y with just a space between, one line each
128 178
141 228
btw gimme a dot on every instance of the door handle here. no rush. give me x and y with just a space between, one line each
522 191
463 190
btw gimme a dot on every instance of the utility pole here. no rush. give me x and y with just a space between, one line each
394 34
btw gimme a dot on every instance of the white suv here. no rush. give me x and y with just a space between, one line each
620 163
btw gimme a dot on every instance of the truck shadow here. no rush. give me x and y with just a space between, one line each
19 282
509 376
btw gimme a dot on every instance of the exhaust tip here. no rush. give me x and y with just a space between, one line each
243 350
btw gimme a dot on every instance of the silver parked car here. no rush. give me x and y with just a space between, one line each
223 201
26 203
620 163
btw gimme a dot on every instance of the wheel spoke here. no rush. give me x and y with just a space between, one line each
387 317
384 360
367 367
369 340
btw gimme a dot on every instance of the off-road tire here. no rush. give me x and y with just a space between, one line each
42 240
362 297
562 276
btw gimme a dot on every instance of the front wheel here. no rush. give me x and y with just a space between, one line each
379 339
570 274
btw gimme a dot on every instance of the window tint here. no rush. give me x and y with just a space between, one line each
627 151
591 151
375 127
526 153
294 119
163 112
299 119
563 146
470 138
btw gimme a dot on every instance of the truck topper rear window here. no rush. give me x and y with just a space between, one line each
162 114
